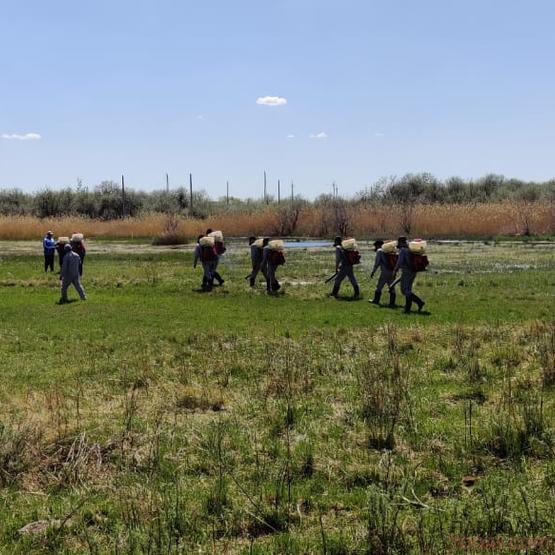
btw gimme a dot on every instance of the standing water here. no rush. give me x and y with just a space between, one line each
306 244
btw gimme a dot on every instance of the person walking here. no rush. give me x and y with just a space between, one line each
219 249
70 274
346 256
204 251
385 262
272 258
78 246
257 254
60 244
49 248
408 274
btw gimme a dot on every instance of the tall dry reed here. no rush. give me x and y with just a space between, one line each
434 220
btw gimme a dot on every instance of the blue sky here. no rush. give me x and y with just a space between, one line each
372 88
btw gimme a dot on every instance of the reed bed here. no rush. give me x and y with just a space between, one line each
430 220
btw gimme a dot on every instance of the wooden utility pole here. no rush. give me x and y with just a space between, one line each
167 183
191 192
122 196
265 192
279 191
292 192
227 192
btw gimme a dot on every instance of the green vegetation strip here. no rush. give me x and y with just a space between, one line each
154 418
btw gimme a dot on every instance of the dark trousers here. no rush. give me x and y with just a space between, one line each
48 262
207 274
256 268
215 272
346 272
272 284
407 281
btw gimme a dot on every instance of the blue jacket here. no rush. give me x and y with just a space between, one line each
49 245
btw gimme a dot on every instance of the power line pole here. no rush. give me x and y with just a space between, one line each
167 183
191 192
292 192
122 196
279 191
265 192
227 192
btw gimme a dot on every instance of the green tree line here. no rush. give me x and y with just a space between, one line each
106 201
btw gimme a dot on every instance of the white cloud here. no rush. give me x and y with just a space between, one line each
18 137
321 135
271 100
291 136
378 134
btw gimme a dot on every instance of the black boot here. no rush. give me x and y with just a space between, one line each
218 278
356 294
419 302
251 282
334 292
392 299
408 304
377 296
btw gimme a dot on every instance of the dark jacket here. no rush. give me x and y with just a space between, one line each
381 262
403 262
79 248
257 254
70 266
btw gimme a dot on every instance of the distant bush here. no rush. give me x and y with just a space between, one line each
14 202
388 206
170 234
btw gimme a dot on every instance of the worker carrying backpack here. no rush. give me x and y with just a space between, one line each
352 257
418 262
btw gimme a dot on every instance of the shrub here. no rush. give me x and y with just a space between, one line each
170 234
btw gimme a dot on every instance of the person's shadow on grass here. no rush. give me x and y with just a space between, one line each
69 301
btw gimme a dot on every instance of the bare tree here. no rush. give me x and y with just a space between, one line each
406 216
287 220
341 220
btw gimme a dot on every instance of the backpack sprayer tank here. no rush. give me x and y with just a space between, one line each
349 244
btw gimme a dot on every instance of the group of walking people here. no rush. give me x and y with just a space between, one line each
71 256
266 257
391 258
208 250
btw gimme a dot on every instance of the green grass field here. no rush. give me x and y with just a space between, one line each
154 418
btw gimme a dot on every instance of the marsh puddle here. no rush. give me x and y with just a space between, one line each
307 244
